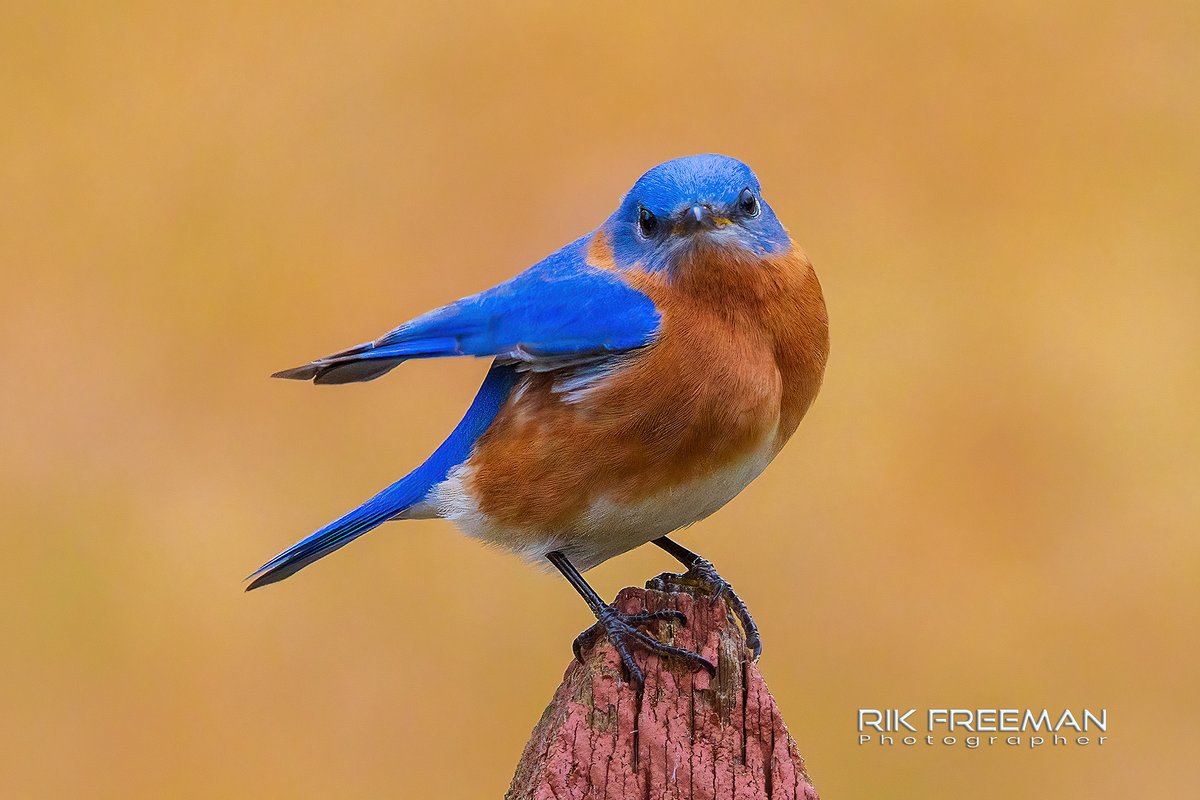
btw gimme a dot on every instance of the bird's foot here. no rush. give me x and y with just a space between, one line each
621 630
703 574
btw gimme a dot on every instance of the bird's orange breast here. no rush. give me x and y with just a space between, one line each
737 362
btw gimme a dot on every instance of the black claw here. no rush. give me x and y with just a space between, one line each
620 630
754 642
585 640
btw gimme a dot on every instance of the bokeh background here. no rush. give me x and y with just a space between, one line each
994 501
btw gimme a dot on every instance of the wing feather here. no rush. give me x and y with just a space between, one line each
560 312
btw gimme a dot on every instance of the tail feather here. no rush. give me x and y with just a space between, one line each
336 534
366 362
403 494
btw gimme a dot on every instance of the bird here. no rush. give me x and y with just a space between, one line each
641 377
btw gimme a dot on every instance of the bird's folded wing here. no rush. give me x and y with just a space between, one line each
558 312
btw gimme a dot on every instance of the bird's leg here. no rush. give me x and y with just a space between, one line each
620 628
703 572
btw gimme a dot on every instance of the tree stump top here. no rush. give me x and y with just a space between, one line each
688 735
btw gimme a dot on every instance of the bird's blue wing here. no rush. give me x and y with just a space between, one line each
558 311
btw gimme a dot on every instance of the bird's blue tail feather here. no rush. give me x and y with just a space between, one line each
401 495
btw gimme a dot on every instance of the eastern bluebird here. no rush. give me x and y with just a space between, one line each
643 375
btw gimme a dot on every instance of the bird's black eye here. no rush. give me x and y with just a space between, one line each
748 203
647 222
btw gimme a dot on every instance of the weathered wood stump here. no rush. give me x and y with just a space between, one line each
688 736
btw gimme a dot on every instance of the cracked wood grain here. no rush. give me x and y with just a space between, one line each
692 736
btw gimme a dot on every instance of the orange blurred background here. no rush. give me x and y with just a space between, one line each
993 503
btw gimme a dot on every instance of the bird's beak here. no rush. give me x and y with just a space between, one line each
699 217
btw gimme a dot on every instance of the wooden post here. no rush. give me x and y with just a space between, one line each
688 736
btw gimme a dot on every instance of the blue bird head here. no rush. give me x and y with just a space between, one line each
705 200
